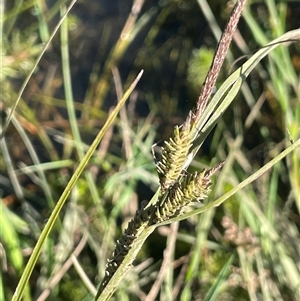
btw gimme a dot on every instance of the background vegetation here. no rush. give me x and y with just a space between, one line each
247 249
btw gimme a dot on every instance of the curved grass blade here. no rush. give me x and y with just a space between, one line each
219 103
54 215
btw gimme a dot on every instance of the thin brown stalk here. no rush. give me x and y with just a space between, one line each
168 253
218 60
117 52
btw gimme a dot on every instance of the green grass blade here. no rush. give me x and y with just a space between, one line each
213 292
10 238
43 26
68 84
54 215
231 86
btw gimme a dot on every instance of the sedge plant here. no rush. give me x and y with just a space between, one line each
180 191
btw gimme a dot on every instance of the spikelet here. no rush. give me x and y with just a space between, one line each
193 188
123 245
174 154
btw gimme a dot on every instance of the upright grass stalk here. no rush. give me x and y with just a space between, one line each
68 85
177 190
